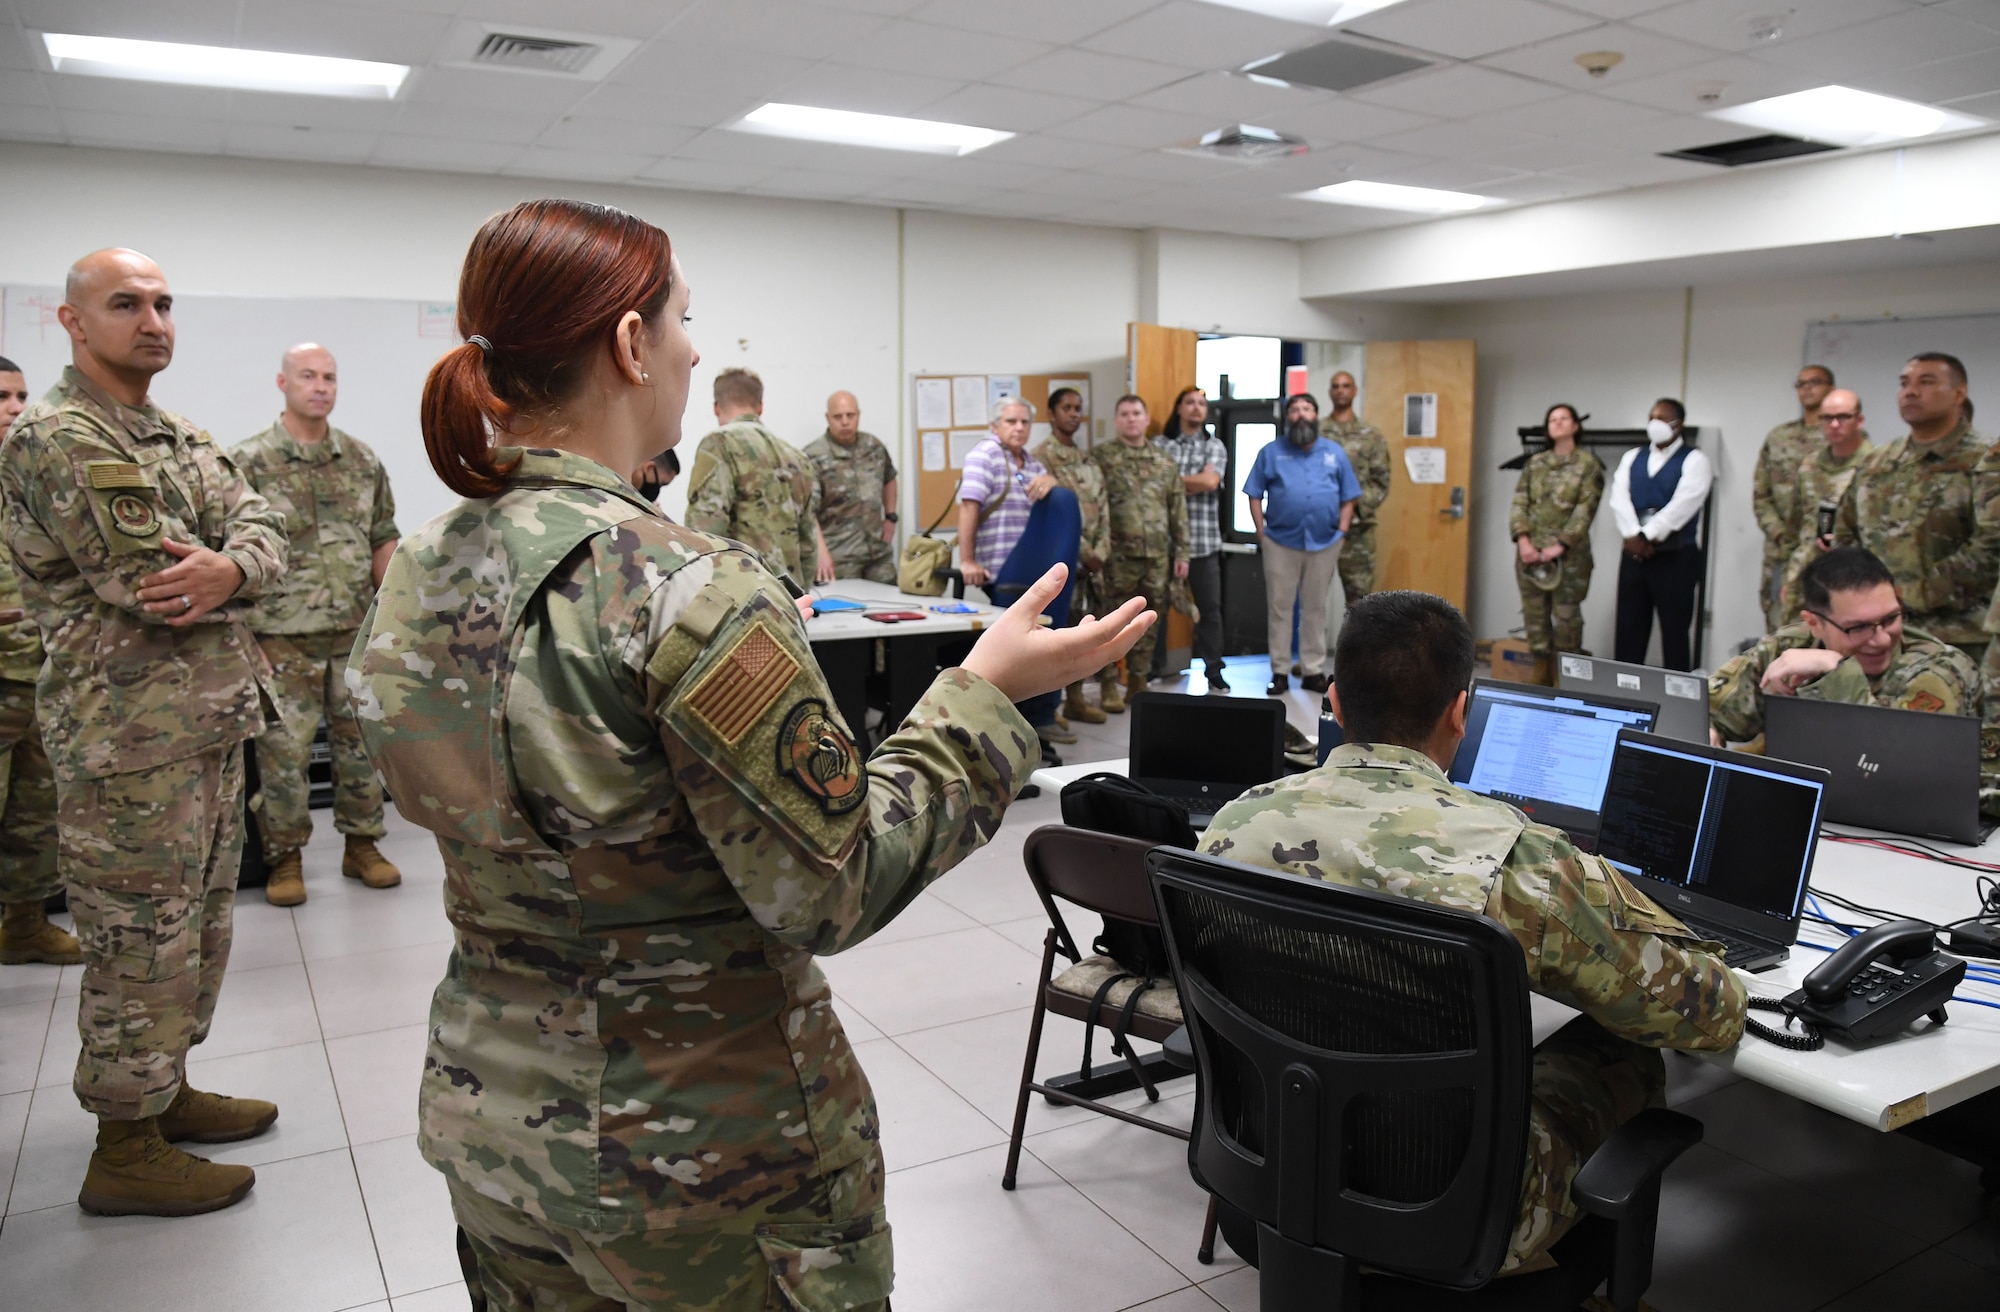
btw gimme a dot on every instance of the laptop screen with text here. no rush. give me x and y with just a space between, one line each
1545 751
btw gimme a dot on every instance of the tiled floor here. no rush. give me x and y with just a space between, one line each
1783 1207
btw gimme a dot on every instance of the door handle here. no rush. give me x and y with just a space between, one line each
1456 509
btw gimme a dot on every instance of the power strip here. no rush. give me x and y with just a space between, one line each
1977 938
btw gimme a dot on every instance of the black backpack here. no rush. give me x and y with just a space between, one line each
1113 804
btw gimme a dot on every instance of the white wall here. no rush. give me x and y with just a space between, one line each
1612 354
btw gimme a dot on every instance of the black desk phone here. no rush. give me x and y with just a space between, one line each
1878 982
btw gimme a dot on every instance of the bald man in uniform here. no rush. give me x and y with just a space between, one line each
136 540
857 497
340 517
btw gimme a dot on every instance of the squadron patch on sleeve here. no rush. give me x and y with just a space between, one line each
815 753
1924 700
734 695
133 516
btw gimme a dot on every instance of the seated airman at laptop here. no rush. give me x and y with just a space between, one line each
1850 645
1381 815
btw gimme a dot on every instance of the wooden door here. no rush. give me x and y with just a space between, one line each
1159 362
1423 532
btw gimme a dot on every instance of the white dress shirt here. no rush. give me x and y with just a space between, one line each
1697 475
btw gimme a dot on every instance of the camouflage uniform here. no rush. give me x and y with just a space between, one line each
1919 508
1383 818
1146 515
651 818
1074 468
27 784
1924 675
335 497
1780 509
1822 480
1368 452
851 478
752 486
1555 501
144 723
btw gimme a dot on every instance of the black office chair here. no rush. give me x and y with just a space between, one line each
1363 1064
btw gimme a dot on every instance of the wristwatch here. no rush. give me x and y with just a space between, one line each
890 517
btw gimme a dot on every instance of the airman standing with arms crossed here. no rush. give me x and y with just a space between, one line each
857 497
753 486
1071 467
341 518
1147 510
28 875
134 535
1774 494
1368 452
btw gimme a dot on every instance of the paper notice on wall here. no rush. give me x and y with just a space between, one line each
968 400
933 452
997 386
934 403
962 442
1082 386
438 319
1420 415
1425 463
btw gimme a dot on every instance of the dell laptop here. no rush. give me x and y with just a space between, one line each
1546 751
1909 772
1683 698
1723 840
1205 751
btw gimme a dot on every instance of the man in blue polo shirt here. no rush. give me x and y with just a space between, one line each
1302 496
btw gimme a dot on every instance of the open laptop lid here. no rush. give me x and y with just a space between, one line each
1544 750
1211 748
1683 698
1909 772
1724 837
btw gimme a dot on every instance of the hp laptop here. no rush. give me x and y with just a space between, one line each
1683 698
1544 750
1909 772
1204 751
1721 839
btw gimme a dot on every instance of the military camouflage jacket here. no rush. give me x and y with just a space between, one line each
851 478
1822 479
1384 818
1921 510
1368 452
651 816
1556 500
20 642
335 497
1774 495
752 486
1146 503
1926 675
91 487
1072 467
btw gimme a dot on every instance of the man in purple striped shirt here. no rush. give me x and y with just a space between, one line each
1000 483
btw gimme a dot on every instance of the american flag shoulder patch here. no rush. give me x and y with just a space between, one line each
734 695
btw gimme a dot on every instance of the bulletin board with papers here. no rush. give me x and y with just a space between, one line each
953 415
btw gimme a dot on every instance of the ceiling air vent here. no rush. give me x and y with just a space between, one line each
1242 141
541 53
1335 66
1749 150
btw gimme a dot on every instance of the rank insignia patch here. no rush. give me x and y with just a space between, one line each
133 516
815 753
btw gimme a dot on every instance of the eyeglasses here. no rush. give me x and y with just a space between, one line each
1866 628
1831 417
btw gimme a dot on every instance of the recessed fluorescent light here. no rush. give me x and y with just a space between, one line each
223 66
1324 12
882 130
1842 116
1389 196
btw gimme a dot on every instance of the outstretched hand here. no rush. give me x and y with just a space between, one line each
1023 659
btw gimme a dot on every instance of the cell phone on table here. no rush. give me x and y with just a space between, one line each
893 616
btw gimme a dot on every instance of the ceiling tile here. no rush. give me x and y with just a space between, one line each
1458 140
29 123
464 123
1008 109
1457 91
283 141
320 113
1983 12
666 66
18 50
865 90
1550 153
774 27
495 88
1733 79
926 191
1127 125
1089 185
815 184
1987 106
1573 116
1532 188
437 153
346 31
1947 80
981 171
106 95
1202 36
138 131
1341 119
1639 171
700 109
783 153
28 89
1230 96
1467 29
1616 9
1452 175
620 18
1915 36
583 165
1088 73
1061 21
191 21
1046 151
941 51
707 174
1161 167
1734 24
892 8
1646 54
1022 205
597 134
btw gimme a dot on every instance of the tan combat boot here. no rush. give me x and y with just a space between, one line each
1134 685
135 1172
1110 697
286 886
198 1117
1078 708
26 935
363 862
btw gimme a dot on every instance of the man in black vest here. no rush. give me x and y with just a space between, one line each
1656 499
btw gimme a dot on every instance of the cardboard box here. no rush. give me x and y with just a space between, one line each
1512 661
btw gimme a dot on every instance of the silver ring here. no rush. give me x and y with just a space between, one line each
187 602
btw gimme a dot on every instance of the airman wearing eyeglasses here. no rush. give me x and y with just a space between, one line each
1851 645
1780 511
1822 481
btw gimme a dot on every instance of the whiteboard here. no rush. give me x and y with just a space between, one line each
1866 355
224 374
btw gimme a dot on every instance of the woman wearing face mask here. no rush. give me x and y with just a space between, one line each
1656 499
1302 496
1554 503
651 815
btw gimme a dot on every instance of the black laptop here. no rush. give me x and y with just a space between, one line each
1721 839
1205 751
1909 772
1546 751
